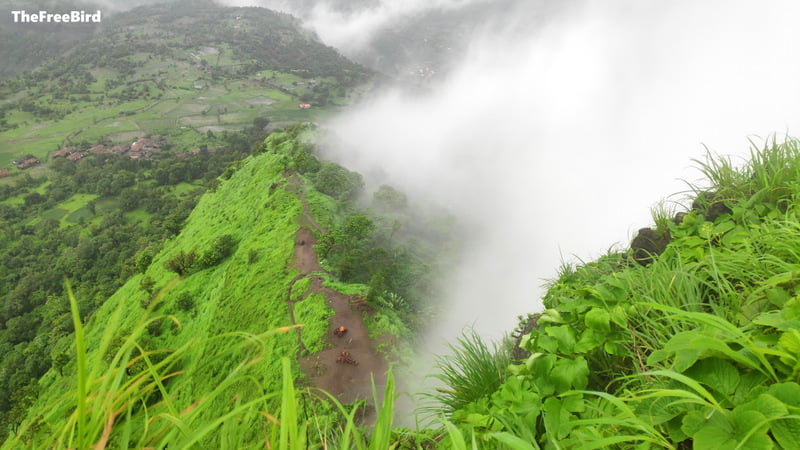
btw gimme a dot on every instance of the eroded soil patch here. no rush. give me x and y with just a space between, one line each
347 382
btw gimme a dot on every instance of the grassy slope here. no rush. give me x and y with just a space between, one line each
697 350
169 92
246 293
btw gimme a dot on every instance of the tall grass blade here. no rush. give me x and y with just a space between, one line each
382 432
288 409
80 348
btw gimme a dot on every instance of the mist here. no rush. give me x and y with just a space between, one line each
554 142
559 126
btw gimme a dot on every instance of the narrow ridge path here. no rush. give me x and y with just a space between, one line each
347 382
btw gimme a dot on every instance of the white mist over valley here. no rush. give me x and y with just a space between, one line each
560 126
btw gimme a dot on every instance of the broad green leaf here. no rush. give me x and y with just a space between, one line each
717 374
694 420
570 374
598 319
743 429
687 348
692 242
791 310
618 316
541 367
545 344
724 227
735 238
750 385
675 431
788 393
573 402
787 432
751 429
480 420
790 343
611 294
777 319
589 341
767 405
565 336
778 296
612 348
556 419
715 433
550 316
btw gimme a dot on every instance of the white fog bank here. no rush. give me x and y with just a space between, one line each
558 142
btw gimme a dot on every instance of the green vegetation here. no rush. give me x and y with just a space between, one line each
183 341
314 314
693 346
157 70
696 349
96 222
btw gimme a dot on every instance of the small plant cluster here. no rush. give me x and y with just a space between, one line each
183 263
699 349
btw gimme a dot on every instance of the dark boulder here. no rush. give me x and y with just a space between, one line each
647 244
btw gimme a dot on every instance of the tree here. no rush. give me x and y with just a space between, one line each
338 182
387 198
182 263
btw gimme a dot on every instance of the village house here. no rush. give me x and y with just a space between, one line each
98 149
147 145
64 152
75 157
25 163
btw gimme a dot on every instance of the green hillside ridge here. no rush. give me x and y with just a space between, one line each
689 339
209 317
182 70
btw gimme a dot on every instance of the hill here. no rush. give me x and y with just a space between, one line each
689 339
184 70
233 305
24 46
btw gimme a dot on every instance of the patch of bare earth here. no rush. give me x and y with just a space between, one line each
344 380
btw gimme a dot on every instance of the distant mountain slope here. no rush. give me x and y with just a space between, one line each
182 69
23 46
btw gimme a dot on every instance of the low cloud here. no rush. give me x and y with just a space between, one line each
353 27
555 142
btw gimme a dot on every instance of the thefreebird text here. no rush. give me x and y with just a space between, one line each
23 16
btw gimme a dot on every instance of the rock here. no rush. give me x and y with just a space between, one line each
647 244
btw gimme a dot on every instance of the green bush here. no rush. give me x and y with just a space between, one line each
185 301
182 263
221 248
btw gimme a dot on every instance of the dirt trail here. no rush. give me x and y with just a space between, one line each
347 382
